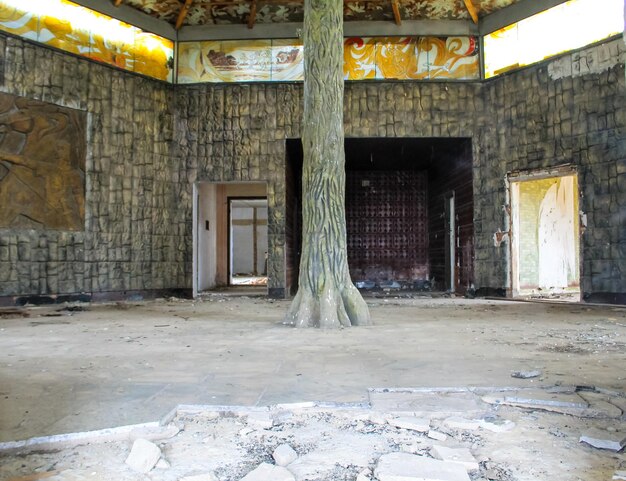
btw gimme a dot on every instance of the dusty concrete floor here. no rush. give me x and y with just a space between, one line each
110 365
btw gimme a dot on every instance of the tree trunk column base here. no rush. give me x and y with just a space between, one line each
333 309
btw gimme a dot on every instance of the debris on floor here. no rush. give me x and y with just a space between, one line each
611 443
526 374
342 442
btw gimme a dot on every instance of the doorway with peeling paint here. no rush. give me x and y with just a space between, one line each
545 236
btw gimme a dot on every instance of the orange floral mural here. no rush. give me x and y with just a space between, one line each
359 58
451 57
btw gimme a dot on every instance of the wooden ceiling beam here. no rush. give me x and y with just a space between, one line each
183 13
252 17
472 10
396 12
118 3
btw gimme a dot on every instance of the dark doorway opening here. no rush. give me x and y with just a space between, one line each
409 213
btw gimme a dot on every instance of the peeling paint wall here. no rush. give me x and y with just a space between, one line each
548 233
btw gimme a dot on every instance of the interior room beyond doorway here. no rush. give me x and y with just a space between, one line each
409 212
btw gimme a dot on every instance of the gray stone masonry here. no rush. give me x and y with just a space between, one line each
148 142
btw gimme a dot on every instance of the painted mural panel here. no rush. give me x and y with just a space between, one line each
365 58
42 165
359 58
241 61
64 25
396 58
450 57
233 61
16 19
287 60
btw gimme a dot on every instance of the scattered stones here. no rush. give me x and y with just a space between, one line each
412 423
436 435
162 464
619 476
456 422
143 456
526 374
409 467
268 472
284 455
611 443
200 477
460 456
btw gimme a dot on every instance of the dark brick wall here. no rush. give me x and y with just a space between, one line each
148 142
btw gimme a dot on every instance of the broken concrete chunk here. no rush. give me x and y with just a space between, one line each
364 475
162 464
267 472
143 456
497 425
410 467
260 420
456 422
544 398
377 418
526 374
284 455
460 456
437 435
611 443
412 423
619 476
200 477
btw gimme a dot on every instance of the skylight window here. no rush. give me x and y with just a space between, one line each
565 27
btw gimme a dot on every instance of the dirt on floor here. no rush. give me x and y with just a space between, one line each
83 367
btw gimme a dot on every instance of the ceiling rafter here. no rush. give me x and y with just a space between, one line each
396 12
184 10
472 10
252 17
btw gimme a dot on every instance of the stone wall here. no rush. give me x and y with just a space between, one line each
137 231
149 142
568 111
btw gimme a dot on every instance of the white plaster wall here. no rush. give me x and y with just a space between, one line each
207 239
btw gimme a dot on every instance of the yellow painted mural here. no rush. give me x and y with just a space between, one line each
365 58
451 57
359 58
67 26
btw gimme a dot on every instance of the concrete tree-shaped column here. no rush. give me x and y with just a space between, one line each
326 297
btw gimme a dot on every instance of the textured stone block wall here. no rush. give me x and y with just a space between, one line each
137 229
149 142
237 133
570 110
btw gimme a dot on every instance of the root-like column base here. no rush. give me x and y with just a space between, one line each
331 310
